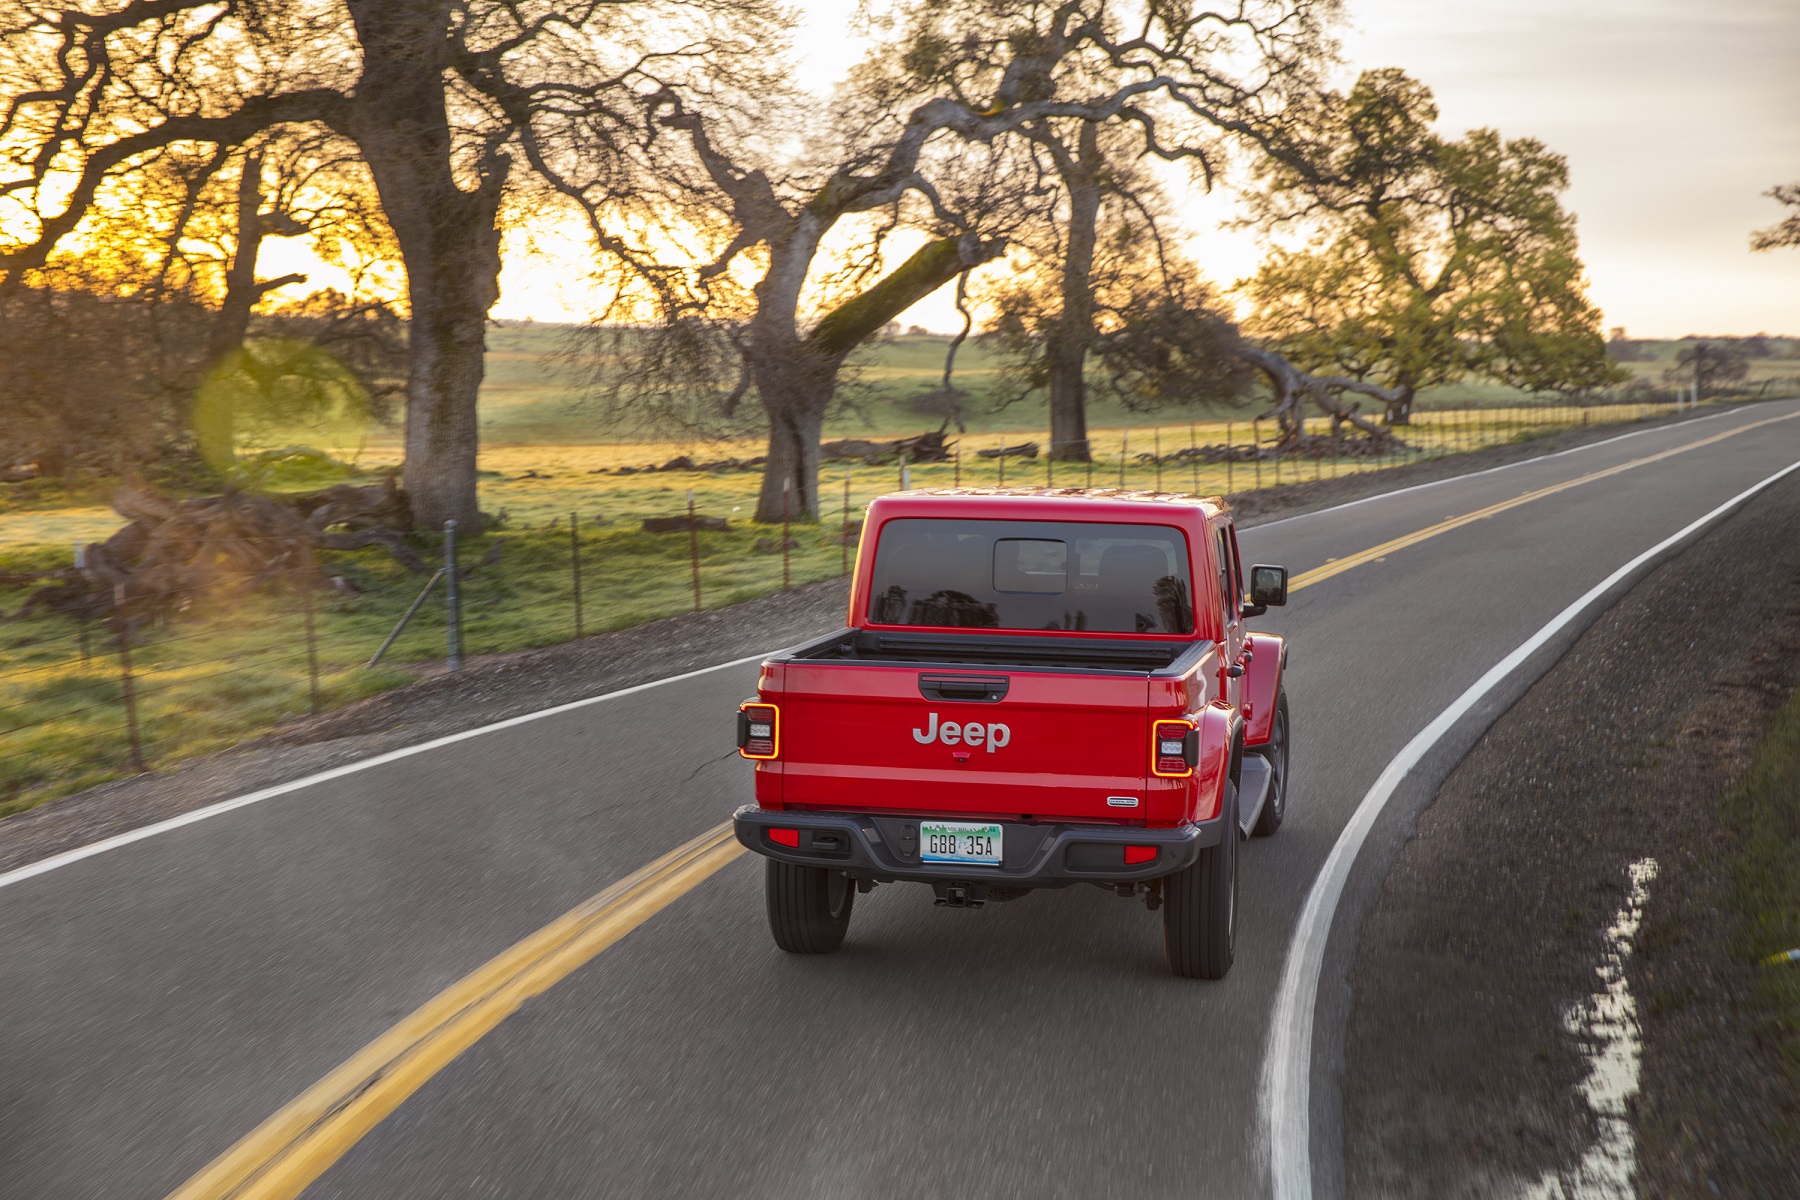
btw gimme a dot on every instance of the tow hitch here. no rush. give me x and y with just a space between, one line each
956 894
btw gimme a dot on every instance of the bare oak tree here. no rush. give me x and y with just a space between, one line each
953 80
425 90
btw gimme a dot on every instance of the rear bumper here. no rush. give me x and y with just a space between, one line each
1035 854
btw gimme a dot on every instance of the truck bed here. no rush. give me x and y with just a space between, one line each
1060 652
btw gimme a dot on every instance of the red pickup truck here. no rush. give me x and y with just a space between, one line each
1038 687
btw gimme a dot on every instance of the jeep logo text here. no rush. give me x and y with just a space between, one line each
971 733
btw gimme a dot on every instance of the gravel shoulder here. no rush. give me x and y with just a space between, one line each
1460 1075
502 686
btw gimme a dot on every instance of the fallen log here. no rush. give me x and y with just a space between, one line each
1022 450
927 447
171 553
1292 387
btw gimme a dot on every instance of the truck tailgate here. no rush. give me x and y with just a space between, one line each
876 738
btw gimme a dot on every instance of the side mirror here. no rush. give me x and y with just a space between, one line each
1268 589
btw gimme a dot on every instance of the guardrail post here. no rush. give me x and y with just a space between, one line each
452 598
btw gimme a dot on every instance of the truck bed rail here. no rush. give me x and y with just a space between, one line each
1060 652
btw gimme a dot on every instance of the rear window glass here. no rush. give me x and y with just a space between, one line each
1032 575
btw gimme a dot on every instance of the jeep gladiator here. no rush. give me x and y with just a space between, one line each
1037 687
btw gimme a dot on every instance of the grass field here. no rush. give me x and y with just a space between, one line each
525 401
231 667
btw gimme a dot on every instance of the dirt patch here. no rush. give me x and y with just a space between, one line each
487 690
1461 1078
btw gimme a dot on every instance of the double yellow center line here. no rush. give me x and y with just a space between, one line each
295 1146
1338 566
287 1152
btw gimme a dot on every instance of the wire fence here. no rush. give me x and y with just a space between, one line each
86 697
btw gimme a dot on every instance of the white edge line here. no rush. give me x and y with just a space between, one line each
1284 1091
67 857
1523 462
46 865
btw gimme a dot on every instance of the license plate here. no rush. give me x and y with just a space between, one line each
959 842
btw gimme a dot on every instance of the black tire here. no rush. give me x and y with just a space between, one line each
1200 906
1275 750
809 907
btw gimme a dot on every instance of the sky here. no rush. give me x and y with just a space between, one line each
1675 117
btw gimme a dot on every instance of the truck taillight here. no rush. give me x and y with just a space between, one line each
759 730
1174 749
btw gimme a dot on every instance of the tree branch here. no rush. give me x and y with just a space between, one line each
930 267
262 112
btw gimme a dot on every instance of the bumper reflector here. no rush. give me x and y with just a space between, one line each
785 837
1139 854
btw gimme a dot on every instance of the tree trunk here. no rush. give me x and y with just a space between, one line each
1399 409
448 241
1291 386
448 343
1287 387
1066 351
214 422
209 412
790 482
797 377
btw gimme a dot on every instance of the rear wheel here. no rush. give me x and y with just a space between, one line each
1200 905
1276 751
809 907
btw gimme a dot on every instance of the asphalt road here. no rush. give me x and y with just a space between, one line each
159 1001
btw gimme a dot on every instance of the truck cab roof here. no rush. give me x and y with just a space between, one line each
1120 505
1034 560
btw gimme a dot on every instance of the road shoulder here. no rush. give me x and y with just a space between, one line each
1461 1076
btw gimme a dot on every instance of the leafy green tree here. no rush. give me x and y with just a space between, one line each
1422 259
